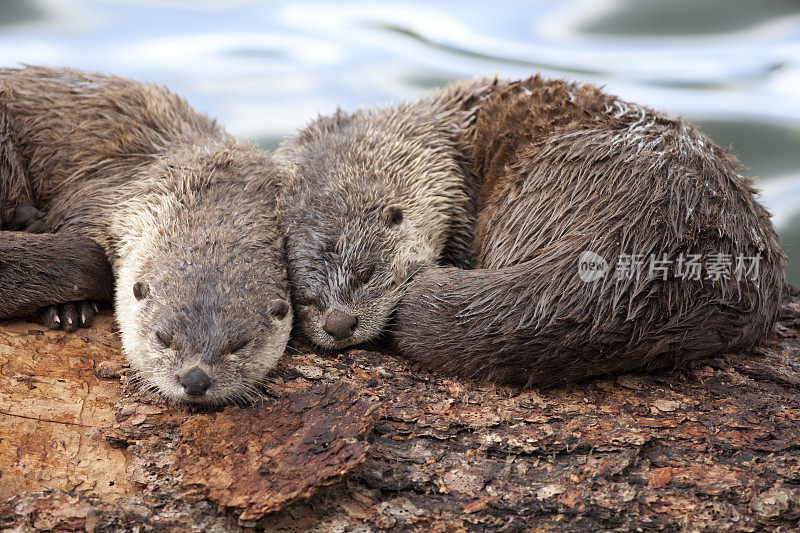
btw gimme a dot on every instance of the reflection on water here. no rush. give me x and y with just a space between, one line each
264 69
767 149
687 17
19 11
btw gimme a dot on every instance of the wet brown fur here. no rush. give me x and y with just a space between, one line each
344 174
566 168
38 270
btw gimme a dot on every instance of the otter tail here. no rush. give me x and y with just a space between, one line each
38 270
534 324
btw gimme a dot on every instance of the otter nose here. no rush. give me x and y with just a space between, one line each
340 324
195 382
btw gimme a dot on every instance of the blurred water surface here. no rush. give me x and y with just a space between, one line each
265 68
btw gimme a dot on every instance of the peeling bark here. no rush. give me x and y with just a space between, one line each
52 405
364 440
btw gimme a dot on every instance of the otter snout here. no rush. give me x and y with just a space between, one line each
340 324
194 381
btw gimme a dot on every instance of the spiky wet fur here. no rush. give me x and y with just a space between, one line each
561 169
175 202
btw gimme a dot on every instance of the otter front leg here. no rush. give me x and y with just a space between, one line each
54 274
67 316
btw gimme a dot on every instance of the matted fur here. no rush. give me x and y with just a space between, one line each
555 169
175 203
564 169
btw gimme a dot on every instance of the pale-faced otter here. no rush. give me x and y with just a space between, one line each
184 214
561 169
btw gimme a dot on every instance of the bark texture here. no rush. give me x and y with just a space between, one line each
364 441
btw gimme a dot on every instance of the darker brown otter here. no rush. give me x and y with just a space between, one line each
553 170
369 199
565 169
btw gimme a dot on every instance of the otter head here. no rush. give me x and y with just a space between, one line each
368 200
203 303
351 252
201 332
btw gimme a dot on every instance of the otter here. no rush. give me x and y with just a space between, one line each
370 198
133 192
555 171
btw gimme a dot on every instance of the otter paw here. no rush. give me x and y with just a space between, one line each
26 218
69 316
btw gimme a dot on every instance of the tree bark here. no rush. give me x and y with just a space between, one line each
364 440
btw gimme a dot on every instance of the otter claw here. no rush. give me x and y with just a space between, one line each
86 312
69 316
50 317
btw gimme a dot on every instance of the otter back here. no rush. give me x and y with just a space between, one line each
566 169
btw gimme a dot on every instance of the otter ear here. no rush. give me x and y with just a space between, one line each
279 309
393 215
140 290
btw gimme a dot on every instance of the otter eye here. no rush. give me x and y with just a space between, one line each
238 345
164 338
394 215
279 309
140 290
